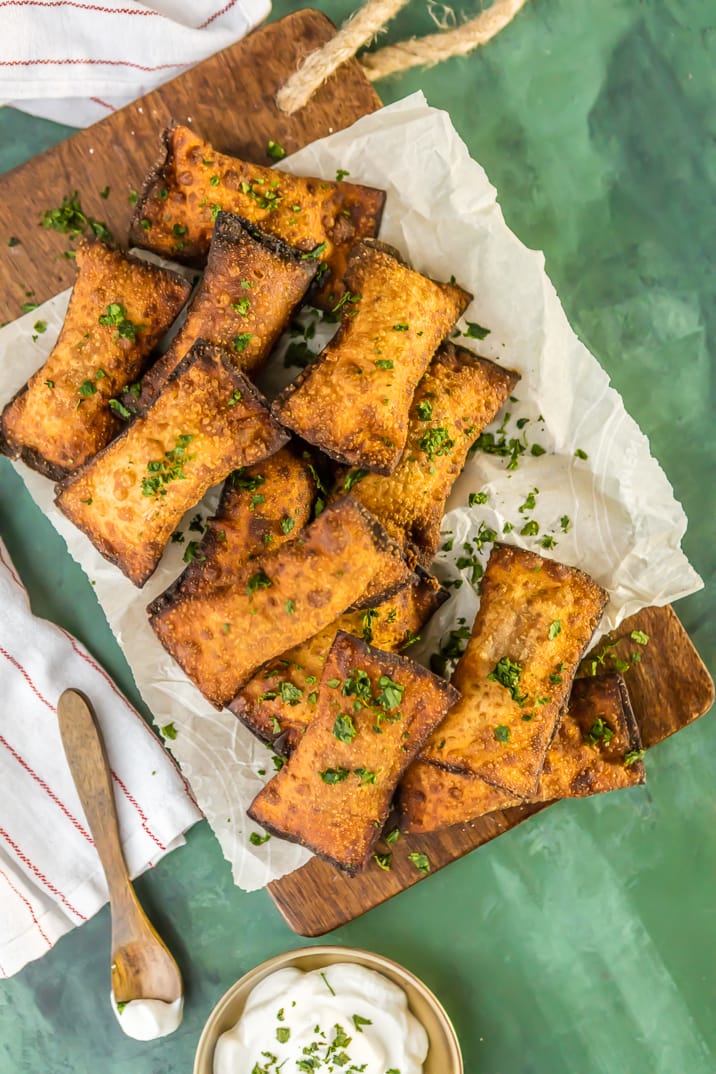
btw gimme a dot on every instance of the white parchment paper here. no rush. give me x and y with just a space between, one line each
624 525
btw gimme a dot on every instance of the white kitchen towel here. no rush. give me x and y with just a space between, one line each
50 875
76 61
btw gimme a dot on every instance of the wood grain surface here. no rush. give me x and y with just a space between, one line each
669 689
228 98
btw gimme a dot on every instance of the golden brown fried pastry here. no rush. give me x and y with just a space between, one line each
535 620
261 507
280 701
374 711
276 601
597 748
193 183
353 401
119 309
208 421
458 396
251 286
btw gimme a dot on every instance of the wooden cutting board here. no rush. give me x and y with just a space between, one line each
229 99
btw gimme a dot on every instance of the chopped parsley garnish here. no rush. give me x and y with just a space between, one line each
488 443
71 220
119 408
334 775
555 628
420 861
365 776
344 729
383 363
579 454
424 410
50 383
191 553
170 468
600 732
274 150
502 733
475 498
437 442
565 523
247 484
315 253
383 861
299 355
242 341
367 625
40 327
242 306
341 174
290 607
633 756
87 388
391 693
530 502
282 1034
287 524
235 397
358 1022
260 580
13 241
475 330
353 477
116 316
392 836
289 693
508 673
530 529
257 840
357 685
400 327
28 307
450 651
639 637
169 731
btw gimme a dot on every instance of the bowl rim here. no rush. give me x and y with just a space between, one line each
335 952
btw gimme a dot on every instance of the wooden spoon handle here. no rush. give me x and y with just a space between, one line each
84 747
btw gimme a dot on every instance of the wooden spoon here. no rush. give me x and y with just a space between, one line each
142 967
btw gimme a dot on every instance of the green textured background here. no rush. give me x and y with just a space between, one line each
583 942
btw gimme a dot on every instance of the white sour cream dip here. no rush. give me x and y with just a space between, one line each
346 1019
148 1019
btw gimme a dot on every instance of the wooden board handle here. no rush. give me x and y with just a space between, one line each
86 756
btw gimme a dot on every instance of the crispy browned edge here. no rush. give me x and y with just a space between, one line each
554 565
29 456
279 744
225 235
391 660
201 351
156 174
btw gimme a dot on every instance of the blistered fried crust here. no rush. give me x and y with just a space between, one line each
119 309
208 421
192 183
536 618
275 602
374 711
596 749
250 288
280 701
458 396
353 402
261 507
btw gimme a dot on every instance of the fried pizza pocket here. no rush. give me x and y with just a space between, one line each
354 401
276 601
374 711
535 620
130 497
458 396
119 309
